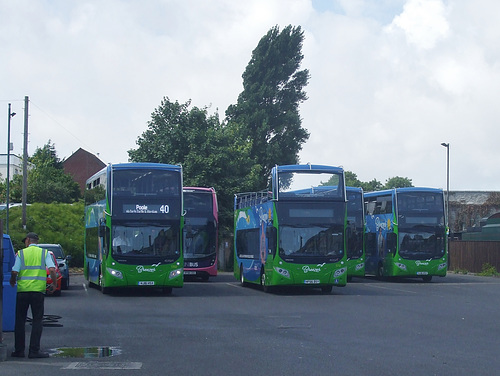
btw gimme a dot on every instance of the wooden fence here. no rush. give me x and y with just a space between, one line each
472 255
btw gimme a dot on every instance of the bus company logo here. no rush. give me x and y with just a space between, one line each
381 225
141 268
421 263
306 268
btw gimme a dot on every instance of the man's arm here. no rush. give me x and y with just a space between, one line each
53 276
13 278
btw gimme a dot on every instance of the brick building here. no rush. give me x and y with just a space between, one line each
81 165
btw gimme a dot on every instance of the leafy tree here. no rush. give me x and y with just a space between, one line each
3 190
212 154
351 179
16 188
398 182
373 185
47 181
268 108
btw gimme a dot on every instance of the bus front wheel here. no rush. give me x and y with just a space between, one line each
265 288
380 271
242 278
167 290
326 289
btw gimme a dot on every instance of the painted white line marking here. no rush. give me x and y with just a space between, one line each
389 288
104 365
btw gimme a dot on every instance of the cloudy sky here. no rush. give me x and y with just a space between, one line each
390 79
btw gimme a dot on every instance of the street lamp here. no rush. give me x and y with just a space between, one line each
11 114
447 146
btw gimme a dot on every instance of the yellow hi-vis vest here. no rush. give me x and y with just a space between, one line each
33 274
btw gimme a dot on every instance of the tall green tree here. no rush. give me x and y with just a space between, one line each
3 189
372 185
47 181
267 109
398 182
212 154
351 179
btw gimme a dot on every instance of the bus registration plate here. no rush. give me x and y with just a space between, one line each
311 281
146 283
189 272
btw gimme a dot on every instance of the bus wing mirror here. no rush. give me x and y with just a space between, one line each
102 231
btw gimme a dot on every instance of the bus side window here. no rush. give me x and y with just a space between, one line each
271 240
392 243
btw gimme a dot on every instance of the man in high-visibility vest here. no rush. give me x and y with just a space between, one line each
30 273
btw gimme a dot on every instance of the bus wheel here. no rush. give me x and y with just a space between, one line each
380 271
427 278
265 288
167 290
105 290
242 279
326 289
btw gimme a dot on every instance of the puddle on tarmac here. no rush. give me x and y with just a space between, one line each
86 352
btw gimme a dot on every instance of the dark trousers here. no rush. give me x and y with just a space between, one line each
35 300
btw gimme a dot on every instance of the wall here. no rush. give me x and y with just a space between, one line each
472 255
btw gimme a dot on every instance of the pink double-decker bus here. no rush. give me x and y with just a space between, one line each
200 235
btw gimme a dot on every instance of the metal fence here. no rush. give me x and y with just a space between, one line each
473 255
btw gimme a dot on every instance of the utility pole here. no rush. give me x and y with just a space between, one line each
11 114
447 146
25 160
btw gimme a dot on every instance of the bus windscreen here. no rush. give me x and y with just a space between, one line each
307 184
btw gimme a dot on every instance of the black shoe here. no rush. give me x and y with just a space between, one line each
17 354
38 354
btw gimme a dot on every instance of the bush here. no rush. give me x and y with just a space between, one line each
488 270
54 223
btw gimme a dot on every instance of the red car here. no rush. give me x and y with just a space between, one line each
57 291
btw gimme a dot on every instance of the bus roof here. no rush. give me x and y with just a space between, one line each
308 167
354 189
388 192
131 165
134 165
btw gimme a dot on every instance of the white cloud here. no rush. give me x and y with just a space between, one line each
423 22
388 84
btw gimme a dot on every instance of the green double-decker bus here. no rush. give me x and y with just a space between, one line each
406 234
133 227
294 234
356 232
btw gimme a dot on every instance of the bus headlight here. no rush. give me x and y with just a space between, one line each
360 266
401 266
442 266
285 273
339 272
115 273
175 273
